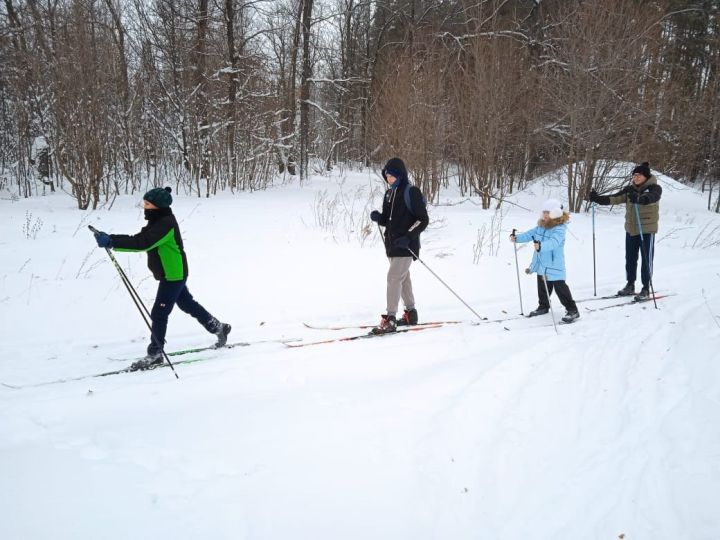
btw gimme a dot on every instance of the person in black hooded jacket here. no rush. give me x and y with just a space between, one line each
404 216
160 238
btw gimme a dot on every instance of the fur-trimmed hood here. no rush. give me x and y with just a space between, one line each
554 222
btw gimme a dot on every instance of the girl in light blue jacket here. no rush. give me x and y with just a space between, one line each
549 258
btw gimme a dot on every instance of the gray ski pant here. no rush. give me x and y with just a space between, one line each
399 284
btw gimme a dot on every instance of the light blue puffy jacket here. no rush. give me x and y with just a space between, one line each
550 260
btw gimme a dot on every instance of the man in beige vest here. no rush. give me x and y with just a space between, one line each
645 192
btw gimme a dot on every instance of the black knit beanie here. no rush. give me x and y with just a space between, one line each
160 197
643 169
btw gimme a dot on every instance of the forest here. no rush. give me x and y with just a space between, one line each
106 97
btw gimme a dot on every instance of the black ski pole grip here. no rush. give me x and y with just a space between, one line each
93 229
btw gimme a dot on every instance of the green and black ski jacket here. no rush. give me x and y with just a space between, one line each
161 239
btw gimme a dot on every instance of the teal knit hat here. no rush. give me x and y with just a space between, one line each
160 197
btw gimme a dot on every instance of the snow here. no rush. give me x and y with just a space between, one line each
608 428
39 144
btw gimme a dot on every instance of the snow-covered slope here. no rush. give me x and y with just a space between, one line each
495 431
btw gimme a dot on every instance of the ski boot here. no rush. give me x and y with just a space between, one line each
387 325
539 311
409 318
571 317
221 330
627 290
151 361
643 295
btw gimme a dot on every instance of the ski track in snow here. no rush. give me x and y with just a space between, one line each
472 432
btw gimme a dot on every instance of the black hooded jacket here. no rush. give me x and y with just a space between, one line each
399 221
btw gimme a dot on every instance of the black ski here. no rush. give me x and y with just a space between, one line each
594 298
129 370
212 348
400 330
577 301
97 375
631 302
608 297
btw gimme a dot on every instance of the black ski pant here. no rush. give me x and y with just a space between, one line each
562 291
646 246
170 293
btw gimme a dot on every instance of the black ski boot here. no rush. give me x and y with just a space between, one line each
571 317
387 325
643 295
221 330
627 290
409 318
151 361
539 311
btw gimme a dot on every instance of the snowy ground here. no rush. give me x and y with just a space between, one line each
496 431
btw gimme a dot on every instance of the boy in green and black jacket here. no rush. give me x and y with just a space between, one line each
161 239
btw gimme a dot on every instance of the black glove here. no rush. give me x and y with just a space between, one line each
375 216
103 240
633 196
598 199
402 243
537 244
513 238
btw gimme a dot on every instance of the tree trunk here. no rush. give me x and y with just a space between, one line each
232 93
305 90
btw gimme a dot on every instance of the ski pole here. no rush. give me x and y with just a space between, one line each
138 302
446 285
648 253
439 279
593 234
517 271
126 281
128 285
547 292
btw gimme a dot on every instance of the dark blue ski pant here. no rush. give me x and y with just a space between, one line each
170 293
646 247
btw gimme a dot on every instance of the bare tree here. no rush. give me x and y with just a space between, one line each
589 85
484 93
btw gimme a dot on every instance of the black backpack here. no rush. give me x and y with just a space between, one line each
408 202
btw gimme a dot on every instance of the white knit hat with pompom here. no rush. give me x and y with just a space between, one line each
554 207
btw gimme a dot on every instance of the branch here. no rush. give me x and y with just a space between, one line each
326 113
